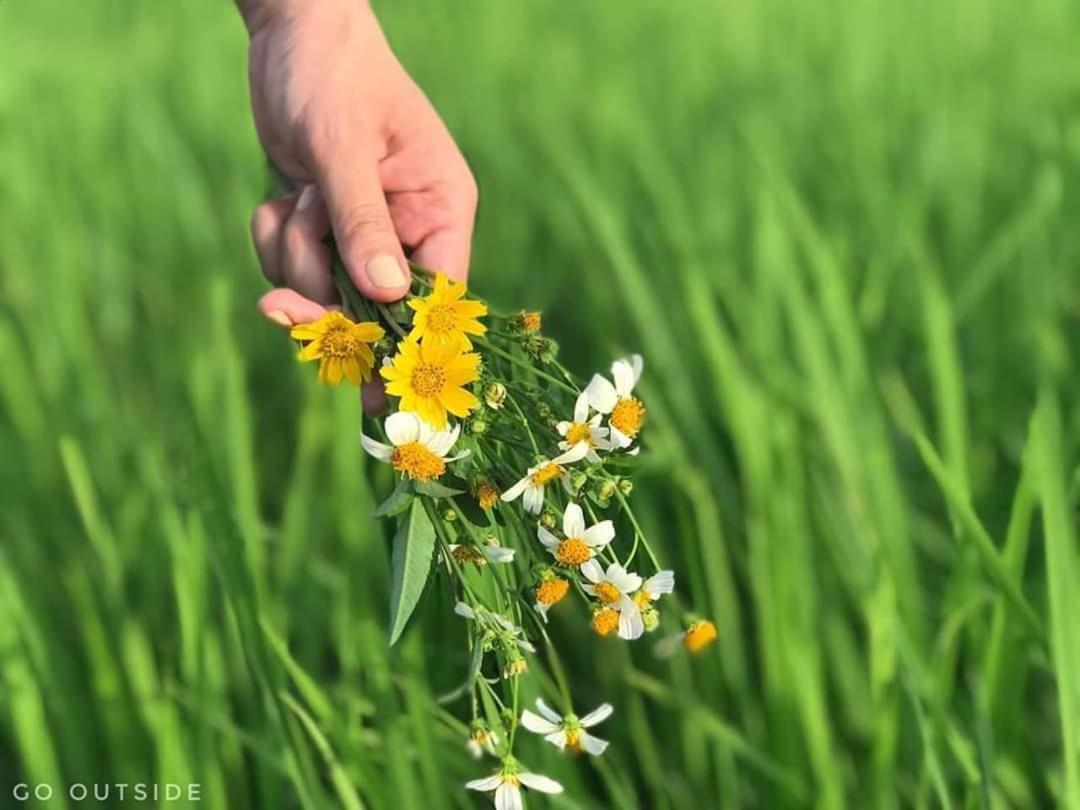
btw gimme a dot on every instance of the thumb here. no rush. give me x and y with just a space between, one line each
363 229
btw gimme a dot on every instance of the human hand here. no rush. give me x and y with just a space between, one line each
370 158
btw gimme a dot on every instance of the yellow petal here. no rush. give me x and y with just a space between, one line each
368 332
459 401
352 371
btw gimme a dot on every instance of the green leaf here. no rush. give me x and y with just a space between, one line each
433 489
398 501
411 561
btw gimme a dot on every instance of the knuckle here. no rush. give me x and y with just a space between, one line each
365 222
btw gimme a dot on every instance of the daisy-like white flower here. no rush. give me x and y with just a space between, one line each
613 589
480 555
579 544
481 739
507 783
626 413
654 587
418 450
531 488
568 732
584 430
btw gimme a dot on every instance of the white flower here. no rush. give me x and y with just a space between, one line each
626 413
568 732
480 554
654 587
495 624
584 430
542 474
418 450
507 784
613 589
580 544
481 739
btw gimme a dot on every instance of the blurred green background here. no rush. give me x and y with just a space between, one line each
844 236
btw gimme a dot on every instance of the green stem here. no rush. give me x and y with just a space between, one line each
517 361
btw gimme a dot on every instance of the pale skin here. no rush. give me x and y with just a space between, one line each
369 158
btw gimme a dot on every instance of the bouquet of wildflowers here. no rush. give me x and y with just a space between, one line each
513 483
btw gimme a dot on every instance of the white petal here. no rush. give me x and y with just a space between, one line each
498 554
623 374
592 571
461 609
527 646
597 715
637 363
599 534
660 582
537 724
533 501
542 610
573 522
457 457
592 457
619 440
508 797
623 579
548 712
563 428
594 745
441 441
601 394
381 451
550 541
475 749
402 428
575 453
557 738
541 783
581 407
488 783
630 624
516 490
589 589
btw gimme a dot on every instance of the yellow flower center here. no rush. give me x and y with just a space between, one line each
443 319
573 551
642 598
551 591
573 740
547 473
468 554
699 636
607 593
605 621
531 322
428 379
579 432
417 462
515 668
628 416
339 343
487 496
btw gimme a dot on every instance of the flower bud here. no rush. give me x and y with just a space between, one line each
495 395
449 515
650 616
606 490
626 486
528 323
384 347
548 521
514 667
477 426
543 410
578 479
699 635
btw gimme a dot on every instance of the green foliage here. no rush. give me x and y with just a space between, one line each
844 236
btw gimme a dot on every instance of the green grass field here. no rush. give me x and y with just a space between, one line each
845 236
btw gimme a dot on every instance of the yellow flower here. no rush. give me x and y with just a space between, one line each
699 635
341 346
445 318
430 380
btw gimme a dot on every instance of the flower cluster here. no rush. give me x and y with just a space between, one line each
513 481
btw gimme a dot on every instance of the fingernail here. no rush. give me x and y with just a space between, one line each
280 318
384 271
307 197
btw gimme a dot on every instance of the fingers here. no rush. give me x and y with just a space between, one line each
305 259
267 223
447 251
287 308
369 246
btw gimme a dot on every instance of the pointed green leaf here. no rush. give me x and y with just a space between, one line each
411 561
433 489
398 501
